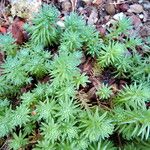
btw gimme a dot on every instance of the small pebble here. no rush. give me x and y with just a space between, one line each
66 6
141 16
110 8
107 18
136 8
115 18
140 1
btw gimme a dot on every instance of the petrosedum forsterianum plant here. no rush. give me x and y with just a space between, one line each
134 96
45 97
71 41
32 61
142 70
8 44
104 145
92 41
64 68
78 35
132 124
96 126
122 26
111 53
104 92
18 141
12 119
44 30
14 72
138 144
91 127
75 22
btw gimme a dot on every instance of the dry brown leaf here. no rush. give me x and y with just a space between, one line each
84 99
87 66
17 30
91 92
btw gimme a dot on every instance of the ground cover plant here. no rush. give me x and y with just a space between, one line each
48 101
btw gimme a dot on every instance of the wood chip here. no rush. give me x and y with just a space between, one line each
98 2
